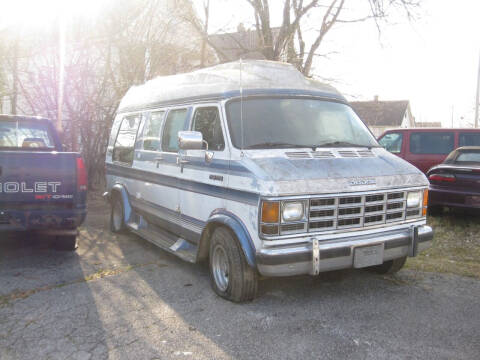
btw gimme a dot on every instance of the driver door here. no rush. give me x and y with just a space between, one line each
208 177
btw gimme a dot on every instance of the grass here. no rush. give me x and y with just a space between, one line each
456 245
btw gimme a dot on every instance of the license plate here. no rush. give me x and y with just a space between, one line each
368 256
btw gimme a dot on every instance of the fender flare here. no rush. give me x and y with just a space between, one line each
127 209
230 220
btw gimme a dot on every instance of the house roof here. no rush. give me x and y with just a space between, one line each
254 77
241 44
429 124
381 113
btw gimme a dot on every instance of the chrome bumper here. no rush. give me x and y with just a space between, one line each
315 256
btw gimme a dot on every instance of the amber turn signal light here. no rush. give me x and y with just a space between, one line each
425 202
270 211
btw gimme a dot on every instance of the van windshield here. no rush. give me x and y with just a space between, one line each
21 135
295 123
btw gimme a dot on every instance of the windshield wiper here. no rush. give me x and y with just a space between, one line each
343 143
275 145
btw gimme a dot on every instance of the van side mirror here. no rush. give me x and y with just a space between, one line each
190 140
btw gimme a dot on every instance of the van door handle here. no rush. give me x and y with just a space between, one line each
181 161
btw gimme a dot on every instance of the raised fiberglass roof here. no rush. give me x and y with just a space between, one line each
223 81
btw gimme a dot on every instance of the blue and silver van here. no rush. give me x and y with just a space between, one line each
260 171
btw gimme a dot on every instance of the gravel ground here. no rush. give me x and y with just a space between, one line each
118 297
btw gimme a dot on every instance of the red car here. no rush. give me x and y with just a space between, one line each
427 147
456 182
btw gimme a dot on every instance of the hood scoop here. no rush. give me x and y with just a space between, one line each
330 154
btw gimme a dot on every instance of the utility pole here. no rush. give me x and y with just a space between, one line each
452 116
14 98
61 69
477 98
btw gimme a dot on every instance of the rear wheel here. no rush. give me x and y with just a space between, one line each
66 242
117 221
231 276
390 266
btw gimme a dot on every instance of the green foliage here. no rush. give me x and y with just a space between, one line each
456 247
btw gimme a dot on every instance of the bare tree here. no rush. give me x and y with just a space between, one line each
289 44
286 42
131 42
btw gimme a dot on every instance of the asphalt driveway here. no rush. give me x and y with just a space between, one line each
118 297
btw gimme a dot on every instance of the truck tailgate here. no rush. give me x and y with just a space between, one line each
37 180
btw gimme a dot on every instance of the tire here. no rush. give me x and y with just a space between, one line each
231 276
117 221
390 266
66 242
435 210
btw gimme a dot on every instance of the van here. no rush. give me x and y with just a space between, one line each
427 147
260 171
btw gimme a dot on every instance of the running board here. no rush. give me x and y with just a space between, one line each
166 240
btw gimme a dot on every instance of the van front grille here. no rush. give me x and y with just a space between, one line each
338 212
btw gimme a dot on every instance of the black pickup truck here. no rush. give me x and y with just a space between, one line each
43 190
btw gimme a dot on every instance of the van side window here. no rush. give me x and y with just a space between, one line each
392 142
151 131
431 142
469 139
177 120
207 121
124 145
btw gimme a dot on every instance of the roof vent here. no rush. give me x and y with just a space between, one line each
365 153
298 155
348 153
323 154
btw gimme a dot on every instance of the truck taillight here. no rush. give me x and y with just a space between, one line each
81 175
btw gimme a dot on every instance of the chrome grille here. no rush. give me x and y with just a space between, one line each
353 211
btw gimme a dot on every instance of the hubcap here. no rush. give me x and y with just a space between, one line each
220 268
117 216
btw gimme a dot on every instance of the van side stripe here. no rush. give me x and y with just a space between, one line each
219 165
183 184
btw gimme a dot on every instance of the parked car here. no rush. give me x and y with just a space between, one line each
427 147
42 189
456 182
272 175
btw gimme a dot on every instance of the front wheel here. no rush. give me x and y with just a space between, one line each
390 266
117 222
231 276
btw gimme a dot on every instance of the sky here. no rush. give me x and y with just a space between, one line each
432 61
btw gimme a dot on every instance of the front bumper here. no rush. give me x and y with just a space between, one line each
316 256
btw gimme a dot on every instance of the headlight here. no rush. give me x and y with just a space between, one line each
292 211
413 199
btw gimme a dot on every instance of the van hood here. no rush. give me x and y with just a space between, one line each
345 170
